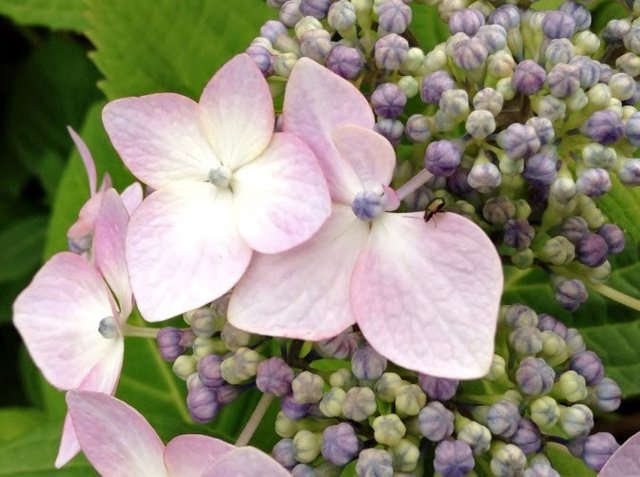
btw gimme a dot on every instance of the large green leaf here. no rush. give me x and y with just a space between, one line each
622 205
427 27
163 45
55 14
21 246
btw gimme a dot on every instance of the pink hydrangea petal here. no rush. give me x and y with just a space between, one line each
160 138
304 292
132 196
246 462
237 109
80 234
58 316
317 102
183 249
87 159
370 155
115 437
190 454
426 295
108 248
281 198
625 461
69 445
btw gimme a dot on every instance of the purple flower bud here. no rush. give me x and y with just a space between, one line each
528 77
441 389
589 70
622 86
453 458
519 141
629 173
608 395
436 421
632 129
616 29
345 61
173 342
390 51
261 57
469 54
557 24
604 127
574 228
467 20
580 14
342 15
394 16
631 39
417 128
293 409
359 404
598 448
488 99
340 444
375 462
614 236
544 129
390 129
518 316
209 370
442 157
457 182
340 346
570 294
507 16
303 470
315 8
227 393
563 80
388 100
272 29
591 250
539 466
526 341
284 453
316 44
549 323
541 168
535 376
274 376
290 13
434 85
484 177
503 418
493 37
527 437
589 366
202 403
518 234
367 364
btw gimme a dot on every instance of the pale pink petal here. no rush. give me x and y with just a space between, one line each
189 455
183 249
160 138
106 182
304 292
69 445
237 109
87 160
246 462
132 196
625 461
426 295
80 234
370 155
108 248
116 438
58 316
317 102
281 198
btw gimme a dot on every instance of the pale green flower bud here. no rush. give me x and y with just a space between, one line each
342 378
500 64
202 321
359 404
413 62
405 455
497 371
286 427
600 274
184 365
550 107
284 63
576 420
523 259
597 155
409 86
387 386
332 402
577 101
410 399
599 96
505 87
203 346
570 387
454 104
435 60
306 24
557 251
629 63
307 388
239 367
480 124
388 429
508 461
554 348
513 396
545 412
476 435
586 43
234 338
306 446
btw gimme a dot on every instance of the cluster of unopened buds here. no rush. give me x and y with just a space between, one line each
346 255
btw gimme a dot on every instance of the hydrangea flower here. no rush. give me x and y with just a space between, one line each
225 185
425 295
69 319
625 460
118 441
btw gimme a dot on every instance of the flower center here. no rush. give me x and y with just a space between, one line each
220 177
108 328
367 205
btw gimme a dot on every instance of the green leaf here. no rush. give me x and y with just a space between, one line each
162 45
565 463
21 246
54 14
622 206
330 365
16 422
609 328
53 89
427 27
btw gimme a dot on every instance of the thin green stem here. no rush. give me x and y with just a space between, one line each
616 295
139 332
253 422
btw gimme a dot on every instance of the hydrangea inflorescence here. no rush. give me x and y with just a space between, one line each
264 230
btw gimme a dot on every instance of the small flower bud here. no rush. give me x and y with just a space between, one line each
387 385
290 13
629 173
517 316
394 16
388 429
508 461
549 323
345 61
558 24
306 446
503 418
484 176
469 54
409 86
359 404
591 250
410 399
341 15
539 466
242 365
570 294
374 462
604 127
570 387
518 233
442 157
274 376
234 338
388 100
209 370
598 448
576 420
340 444
607 395
563 80
316 44
183 366
292 408
543 127
405 455
315 8
541 168
527 437
550 107
497 371
417 128
488 99
526 341
519 141
535 376
622 86
544 411
594 182
283 64
493 37
307 388
559 51
441 389
507 16
367 364
391 51
528 77
342 378
578 12
616 29
340 346
589 366
332 402
557 251
574 229
284 453
390 129
613 236
468 21
173 342
434 85
202 403
480 124
285 426
453 458
436 421
477 436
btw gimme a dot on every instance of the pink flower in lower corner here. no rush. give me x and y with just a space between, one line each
225 185
69 319
425 295
118 441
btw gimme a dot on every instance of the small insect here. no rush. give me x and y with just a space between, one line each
433 207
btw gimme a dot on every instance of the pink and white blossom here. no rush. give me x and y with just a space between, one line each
425 295
118 441
225 185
